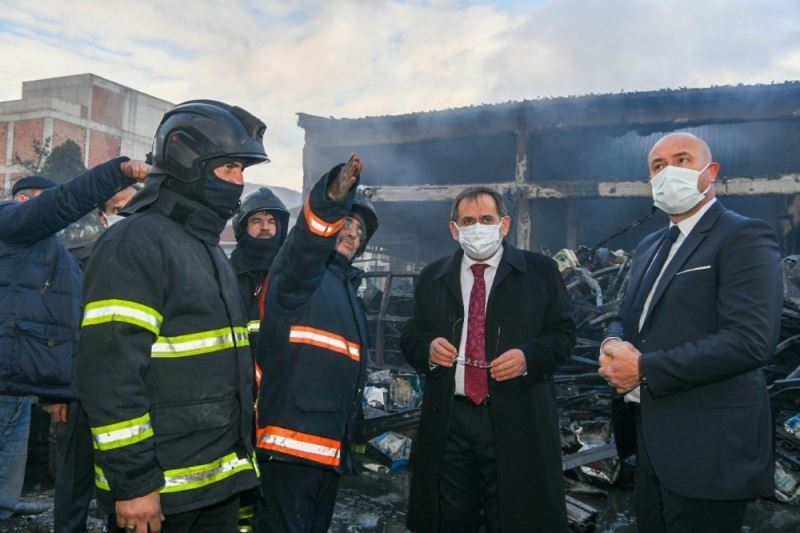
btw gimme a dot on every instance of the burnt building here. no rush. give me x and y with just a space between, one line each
573 169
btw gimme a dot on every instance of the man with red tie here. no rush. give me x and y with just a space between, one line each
490 325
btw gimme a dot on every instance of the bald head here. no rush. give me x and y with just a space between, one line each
687 151
678 149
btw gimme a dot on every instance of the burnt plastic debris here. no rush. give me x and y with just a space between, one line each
391 402
376 396
390 449
393 390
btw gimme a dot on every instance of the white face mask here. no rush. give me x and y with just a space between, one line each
112 219
480 241
675 189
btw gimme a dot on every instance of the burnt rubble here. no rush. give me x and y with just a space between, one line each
596 280
595 477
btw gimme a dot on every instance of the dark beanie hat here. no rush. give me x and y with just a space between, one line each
32 182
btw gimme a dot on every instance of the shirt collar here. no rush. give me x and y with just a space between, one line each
467 262
687 225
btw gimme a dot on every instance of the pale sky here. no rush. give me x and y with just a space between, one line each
355 58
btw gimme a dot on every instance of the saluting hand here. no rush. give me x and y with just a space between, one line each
133 169
343 183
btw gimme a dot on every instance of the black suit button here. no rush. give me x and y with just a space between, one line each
644 341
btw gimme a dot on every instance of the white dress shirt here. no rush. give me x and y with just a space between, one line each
685 226
467 279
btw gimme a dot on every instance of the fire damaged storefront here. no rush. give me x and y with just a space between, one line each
573 172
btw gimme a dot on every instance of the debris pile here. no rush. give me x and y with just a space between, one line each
391 402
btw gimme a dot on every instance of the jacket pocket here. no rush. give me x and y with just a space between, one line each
695 269
720 396
45 354
188 417
318 403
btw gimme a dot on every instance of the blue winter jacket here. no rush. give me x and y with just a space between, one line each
40 283
312 345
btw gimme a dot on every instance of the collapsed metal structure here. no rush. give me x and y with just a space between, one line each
572 169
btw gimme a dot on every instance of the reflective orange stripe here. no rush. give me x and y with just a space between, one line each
325 339
319 226
318 449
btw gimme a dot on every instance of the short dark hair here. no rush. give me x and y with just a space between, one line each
472 193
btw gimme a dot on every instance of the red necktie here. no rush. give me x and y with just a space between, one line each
476 380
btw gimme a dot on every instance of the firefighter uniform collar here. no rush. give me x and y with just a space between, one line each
342 267
198 220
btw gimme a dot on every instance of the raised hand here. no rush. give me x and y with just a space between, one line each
344 182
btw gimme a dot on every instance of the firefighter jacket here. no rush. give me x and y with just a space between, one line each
164 366
312 347
40 283
252 287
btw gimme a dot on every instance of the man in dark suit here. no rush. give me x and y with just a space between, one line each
490 326
700 318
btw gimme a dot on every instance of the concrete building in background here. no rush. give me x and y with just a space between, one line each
104 118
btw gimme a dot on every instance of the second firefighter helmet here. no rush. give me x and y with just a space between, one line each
262 199
363 207
193 132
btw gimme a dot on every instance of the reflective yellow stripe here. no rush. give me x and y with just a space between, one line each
200 343
254 460
253 326
248 511
193 477
122 433
102 311
100 479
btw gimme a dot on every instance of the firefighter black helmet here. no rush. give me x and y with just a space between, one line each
363 207
262 199
193 132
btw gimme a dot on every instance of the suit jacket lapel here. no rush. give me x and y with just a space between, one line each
450 274
641 266
511 259
687 248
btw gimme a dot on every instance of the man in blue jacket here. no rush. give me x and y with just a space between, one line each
699 320
40 295
312 351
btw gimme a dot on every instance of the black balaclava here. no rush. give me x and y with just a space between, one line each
256 255
221 196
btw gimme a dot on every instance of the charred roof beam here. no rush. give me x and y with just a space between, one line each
780 184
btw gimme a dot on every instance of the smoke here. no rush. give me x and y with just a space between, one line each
354 58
